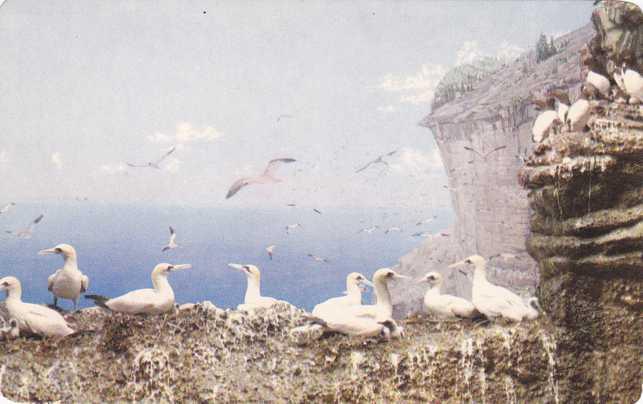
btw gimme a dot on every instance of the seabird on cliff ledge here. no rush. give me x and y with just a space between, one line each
633 83
32 318
67 282
158 300
354 282
253 298
445 306
491 300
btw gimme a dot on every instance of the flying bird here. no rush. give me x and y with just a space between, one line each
368 230
282 116
317 211
378 160
172 243
7 207
392 229
27 233
292 227
154 164
425 221
421 234
267 177
485 155
318 259
270 250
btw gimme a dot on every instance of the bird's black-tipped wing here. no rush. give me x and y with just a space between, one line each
236 187
471 149
38 219
274 164
171 230
167 153
495 150
137 165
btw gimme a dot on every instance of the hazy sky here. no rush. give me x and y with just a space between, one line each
86 86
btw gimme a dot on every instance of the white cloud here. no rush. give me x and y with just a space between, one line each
113 169
172 165
387 109
508 52
415 162
4 157
417 88
57 160
468 53
186 134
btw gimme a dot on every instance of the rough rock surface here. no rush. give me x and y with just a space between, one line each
492 212
204 354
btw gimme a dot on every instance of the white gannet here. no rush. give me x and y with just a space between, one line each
445 306
270 250
7 207
358 326
33 318
579 112
253 298
292 227
491 300
533 309
545 122
562 97
154 164
267 177
158 300
600 82
172 243
353 296
67 282
27 232
633 83
382 310
318 258
378 160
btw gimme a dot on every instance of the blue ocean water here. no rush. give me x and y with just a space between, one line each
118 246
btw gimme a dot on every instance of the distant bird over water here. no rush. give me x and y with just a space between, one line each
368 230
270 250
484 155
172 243
378 160
267 177
27 232
67 282
292 227
7 207
154 164
318 258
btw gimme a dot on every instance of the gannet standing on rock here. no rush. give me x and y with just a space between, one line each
353 296
491 300
579 113
253 299
562 96
599 82
67 282
33 318
158 300
445 306
633 83
546 121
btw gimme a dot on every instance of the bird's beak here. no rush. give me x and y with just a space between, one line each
398 276
180 266
367 283
238 267
457 264
421 280
48 251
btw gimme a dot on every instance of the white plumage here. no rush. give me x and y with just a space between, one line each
353 296
445 306
633 83
579 113
543 125
158 300
33 318
600 82
491 300
253 299
67 282
172 242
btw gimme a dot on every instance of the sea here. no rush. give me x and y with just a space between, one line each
118 245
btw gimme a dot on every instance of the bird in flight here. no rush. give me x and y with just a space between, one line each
485 155
318 259
172 243
270 250
425 221
27 232
392 229
421 234
7 207
282 116
292 227
378 160
317 211
368 230
154 164
267 177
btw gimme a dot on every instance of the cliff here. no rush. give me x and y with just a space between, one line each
492 212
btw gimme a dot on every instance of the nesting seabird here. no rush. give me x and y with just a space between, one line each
353 297
67 282
267 177
154 164
158 300
579 112
7 207
633 83
253 299
599 82
562 97
32 318
378 160
27 232
491 300
270 250
172 243
383 308
445 306
545 122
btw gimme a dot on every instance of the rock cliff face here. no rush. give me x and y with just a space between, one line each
586 194
492 212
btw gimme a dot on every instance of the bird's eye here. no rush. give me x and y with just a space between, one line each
468 261
389 275
58 249
5 284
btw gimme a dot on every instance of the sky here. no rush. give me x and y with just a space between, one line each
88 86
